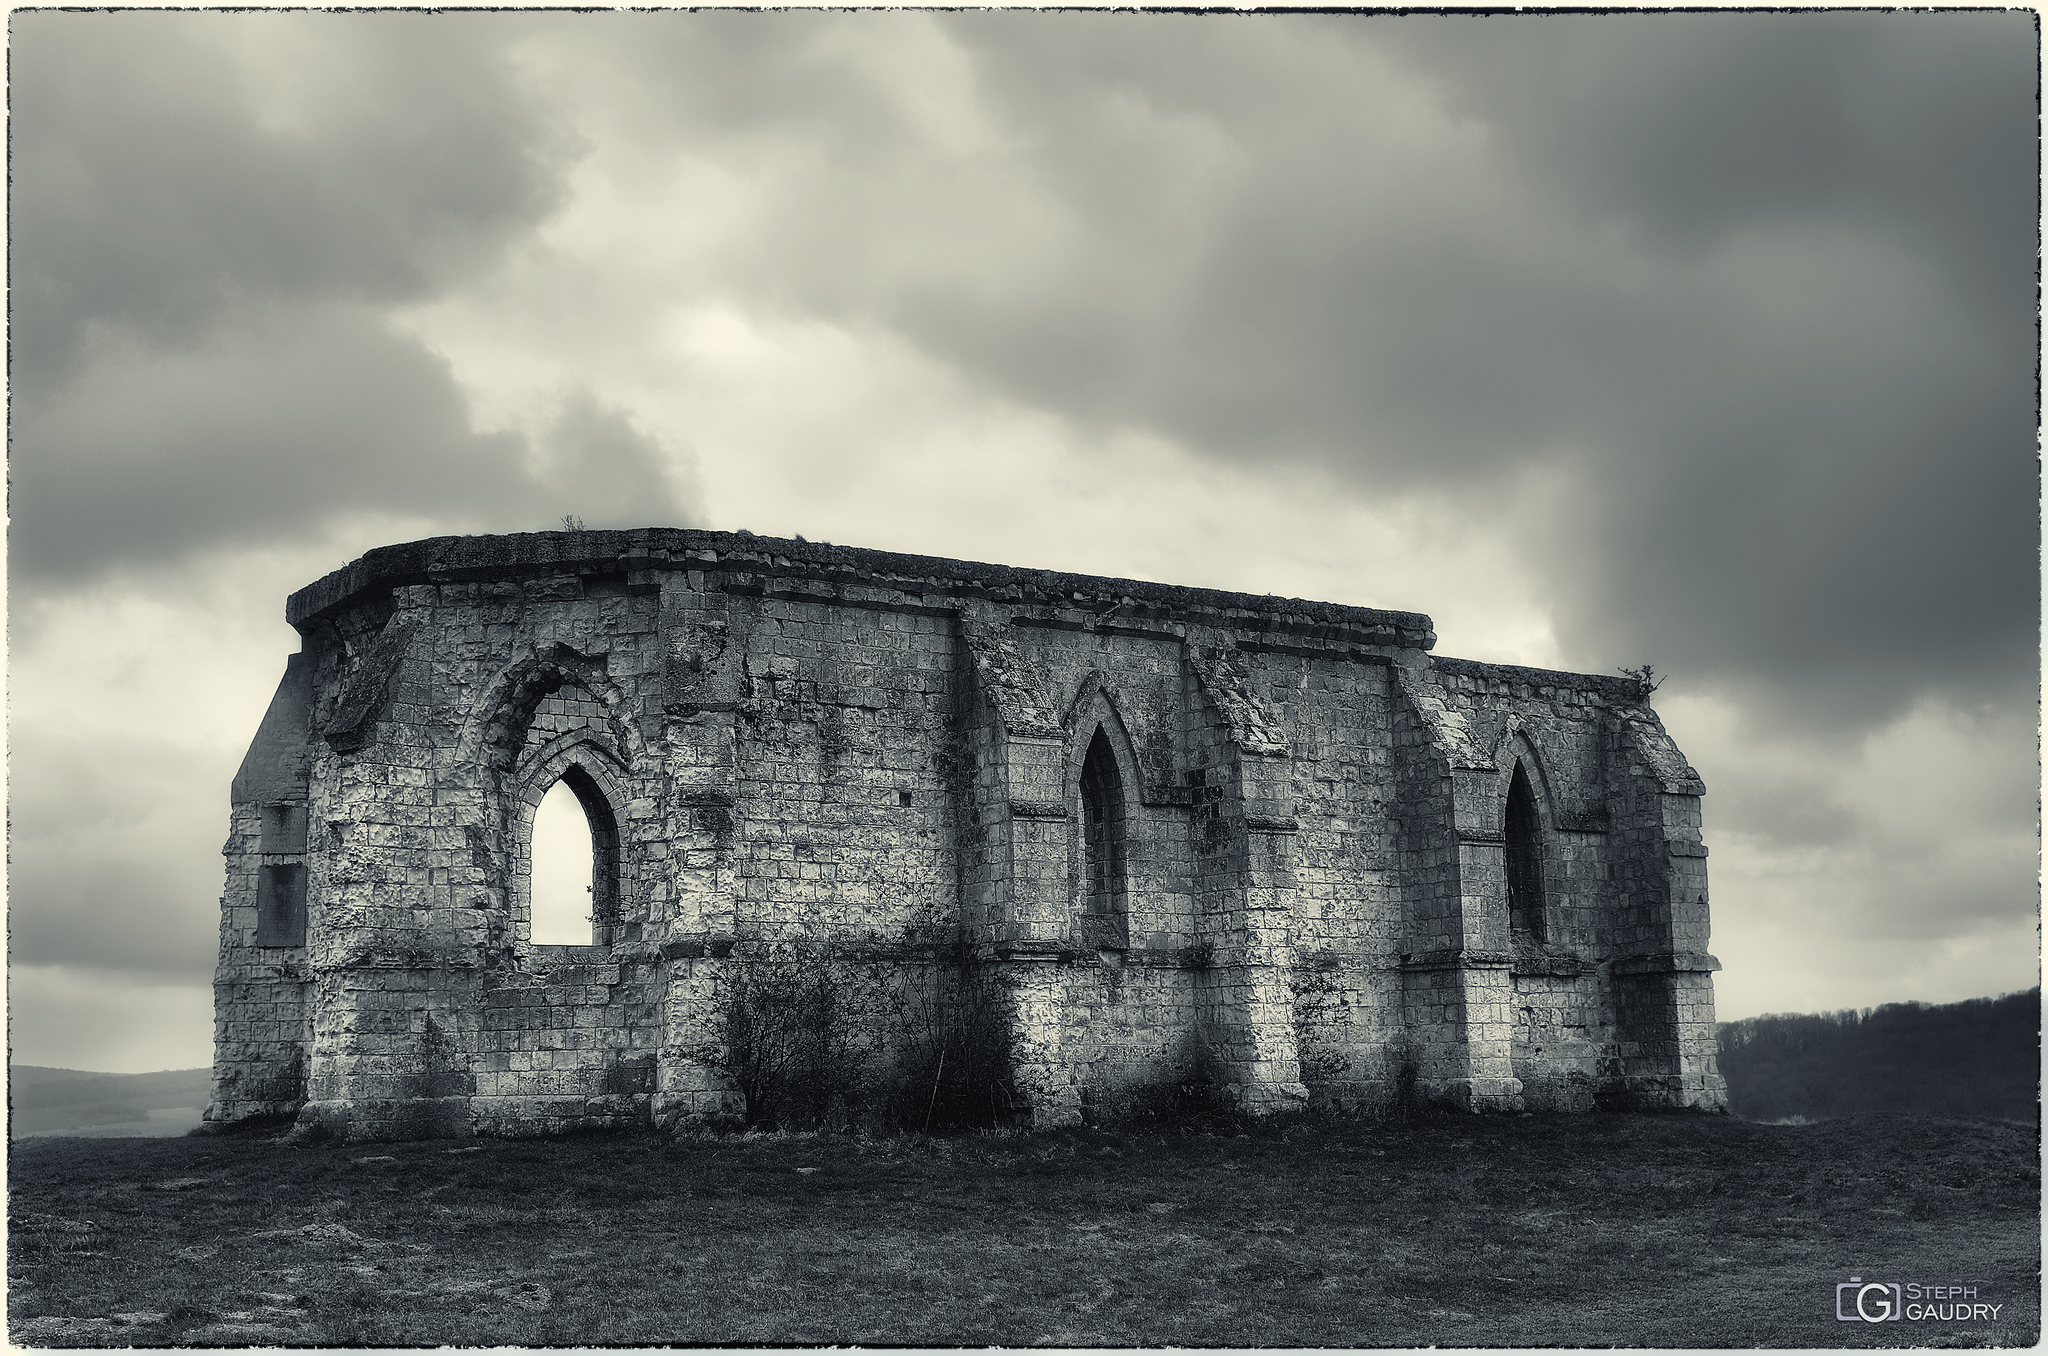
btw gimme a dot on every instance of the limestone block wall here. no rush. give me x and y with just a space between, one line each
1598 1014
261 1011
259 991
846 815
1347 985
1454 1009
572 1041
1169 835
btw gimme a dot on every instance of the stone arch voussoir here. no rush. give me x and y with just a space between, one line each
1095 706
495 731
1517 747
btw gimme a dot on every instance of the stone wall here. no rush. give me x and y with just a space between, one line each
882 758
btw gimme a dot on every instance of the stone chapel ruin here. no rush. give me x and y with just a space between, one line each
1151 827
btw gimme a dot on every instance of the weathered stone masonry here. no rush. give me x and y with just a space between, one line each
1176 830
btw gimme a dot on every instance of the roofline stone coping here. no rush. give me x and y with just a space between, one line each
513 555
1623 690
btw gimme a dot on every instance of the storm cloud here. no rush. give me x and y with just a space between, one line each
1759 285
214 216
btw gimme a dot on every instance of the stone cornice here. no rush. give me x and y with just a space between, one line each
928 578
1621 691
1667 963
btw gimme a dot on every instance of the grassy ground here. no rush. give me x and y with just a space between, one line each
1471 1231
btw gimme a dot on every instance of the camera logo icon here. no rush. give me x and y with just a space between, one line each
1860 1301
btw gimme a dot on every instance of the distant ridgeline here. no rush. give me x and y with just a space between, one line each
43 1099
1975 1058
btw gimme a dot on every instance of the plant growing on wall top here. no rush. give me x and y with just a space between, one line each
1645 678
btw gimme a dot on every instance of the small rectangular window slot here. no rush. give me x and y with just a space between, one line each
281 906
903 798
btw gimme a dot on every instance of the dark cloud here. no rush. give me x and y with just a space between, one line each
114 912
1762 284
607 471
253 434
1760 287
213 215
754 76
159 181
262 431
1847 457
1691 127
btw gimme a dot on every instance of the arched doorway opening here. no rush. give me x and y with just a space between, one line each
1525 859
1102 845
572 881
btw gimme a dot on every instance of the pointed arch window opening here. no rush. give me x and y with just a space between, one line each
573 859
1524 859
1103 874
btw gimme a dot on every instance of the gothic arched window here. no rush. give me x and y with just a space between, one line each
1102 844
1525 859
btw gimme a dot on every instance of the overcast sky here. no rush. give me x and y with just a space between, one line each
1699 340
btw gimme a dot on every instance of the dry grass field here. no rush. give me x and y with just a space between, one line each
1467 1231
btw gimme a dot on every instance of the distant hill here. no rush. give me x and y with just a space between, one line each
1981 1057
43 1099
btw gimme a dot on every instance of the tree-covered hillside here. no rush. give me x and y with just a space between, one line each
1981 1057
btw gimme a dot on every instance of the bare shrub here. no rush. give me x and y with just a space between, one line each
795 1031
1645 678
952 1053
813 1039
